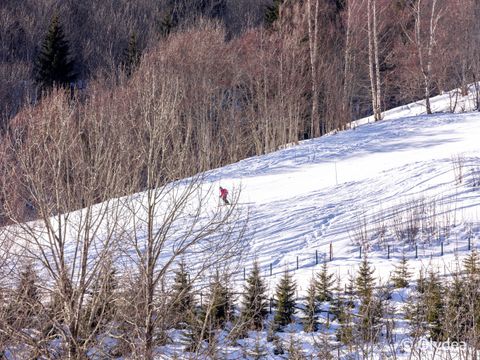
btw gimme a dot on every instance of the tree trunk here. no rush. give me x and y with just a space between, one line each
347 78
373 59
313 45
427 71
149 274
378 111
426 59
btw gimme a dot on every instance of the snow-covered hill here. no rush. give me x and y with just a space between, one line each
361 187
408 185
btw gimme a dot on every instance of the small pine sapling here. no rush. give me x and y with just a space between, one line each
323 348
365 282
182 300
471 264
285 295
324 284
219 309
432 301
401 275
295 350
456 309
311 308
370 305
254 302
131 55
25 306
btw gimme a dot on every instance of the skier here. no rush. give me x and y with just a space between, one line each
223 195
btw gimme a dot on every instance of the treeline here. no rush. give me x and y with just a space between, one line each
351 57
98 34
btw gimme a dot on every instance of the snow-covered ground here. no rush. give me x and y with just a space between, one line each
364 181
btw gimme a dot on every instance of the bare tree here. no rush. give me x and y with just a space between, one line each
57 175
347 73
424 38
373 59
313 29
172 218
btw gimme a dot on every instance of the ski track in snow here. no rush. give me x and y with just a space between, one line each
297 207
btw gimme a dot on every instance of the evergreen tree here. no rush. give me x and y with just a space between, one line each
27 290
201 325
254 304
211 8
432 302
401 274
310 320
345 318
339 5
415 310
415 313
131 55
295 350
471 294
324 284
219 307
285 295
471 303
55 308
338 301
370 314
167 24
258 352
272 12
421 282
365 281
471 263
182 297
370 310
272 336
456 310
194 330
323 348
350 291
54 66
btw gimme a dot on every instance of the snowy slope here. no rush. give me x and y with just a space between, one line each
391 188
328 190
358 189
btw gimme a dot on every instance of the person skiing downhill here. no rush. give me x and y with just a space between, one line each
223 195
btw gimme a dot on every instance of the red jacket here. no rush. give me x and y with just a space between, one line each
223 193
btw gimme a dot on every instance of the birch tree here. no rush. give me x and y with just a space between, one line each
313 35
427 14
373 59
352 7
